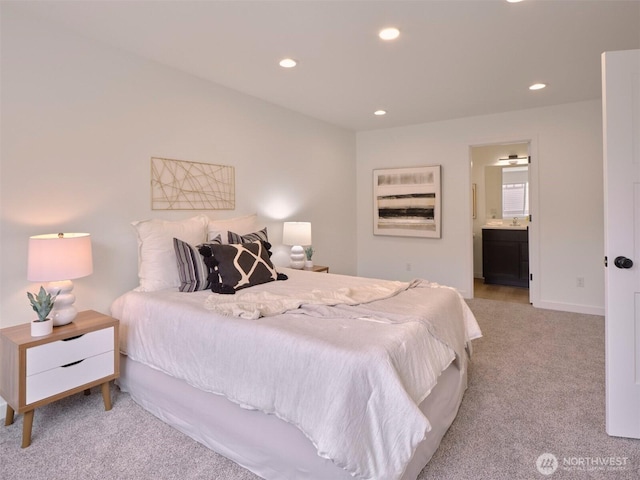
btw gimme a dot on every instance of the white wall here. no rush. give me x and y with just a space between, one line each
567 207
80 121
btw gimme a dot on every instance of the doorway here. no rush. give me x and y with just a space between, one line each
501 189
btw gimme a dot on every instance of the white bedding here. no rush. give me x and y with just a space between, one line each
252 304
350 377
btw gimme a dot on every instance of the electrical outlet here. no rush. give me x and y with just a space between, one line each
580 282
408 267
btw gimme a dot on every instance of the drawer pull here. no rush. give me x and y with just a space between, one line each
71 364
72 338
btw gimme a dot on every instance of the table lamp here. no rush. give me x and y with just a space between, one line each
57 258
296 234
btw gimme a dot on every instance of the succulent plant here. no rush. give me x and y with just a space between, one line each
309 252
42 303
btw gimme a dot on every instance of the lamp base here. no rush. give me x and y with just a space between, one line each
297 257
63 310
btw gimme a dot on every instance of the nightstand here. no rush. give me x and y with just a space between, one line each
40 370
317 268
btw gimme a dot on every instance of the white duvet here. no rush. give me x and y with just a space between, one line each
349 376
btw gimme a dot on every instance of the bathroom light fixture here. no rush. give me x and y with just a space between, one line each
296 234
537 86
390 33
57 258
514 159
288 63
380 112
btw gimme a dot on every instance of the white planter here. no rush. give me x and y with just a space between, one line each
40 329
308 264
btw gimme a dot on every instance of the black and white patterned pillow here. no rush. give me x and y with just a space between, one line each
192 270
235 238
243 265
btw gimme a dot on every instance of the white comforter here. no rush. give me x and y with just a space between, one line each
350 377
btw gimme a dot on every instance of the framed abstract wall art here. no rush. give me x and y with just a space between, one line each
406 201
183 185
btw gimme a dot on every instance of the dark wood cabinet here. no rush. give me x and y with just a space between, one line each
505 257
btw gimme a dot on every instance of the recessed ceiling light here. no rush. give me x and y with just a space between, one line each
514 1
288 63
380 112
390 33
537 86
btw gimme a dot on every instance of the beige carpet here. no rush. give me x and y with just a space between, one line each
536 386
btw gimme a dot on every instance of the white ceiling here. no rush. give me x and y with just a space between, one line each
453 59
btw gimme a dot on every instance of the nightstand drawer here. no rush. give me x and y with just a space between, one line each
55 354
60 379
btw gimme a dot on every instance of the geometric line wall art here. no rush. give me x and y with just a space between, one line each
183 185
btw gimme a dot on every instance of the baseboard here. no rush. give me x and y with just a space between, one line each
569 307
3 409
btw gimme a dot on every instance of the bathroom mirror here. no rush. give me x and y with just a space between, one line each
506 191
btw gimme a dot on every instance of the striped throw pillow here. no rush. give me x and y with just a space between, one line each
192 271
235 238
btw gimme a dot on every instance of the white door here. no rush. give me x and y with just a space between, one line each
621 123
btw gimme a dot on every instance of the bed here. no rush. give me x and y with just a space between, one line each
316 376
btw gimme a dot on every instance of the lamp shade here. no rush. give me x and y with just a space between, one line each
59 256
296 233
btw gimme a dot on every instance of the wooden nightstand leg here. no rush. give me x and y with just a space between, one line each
106 396
8 419
26 428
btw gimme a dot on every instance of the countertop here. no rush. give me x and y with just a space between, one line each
505 226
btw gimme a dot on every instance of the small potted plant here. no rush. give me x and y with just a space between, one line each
42 304
308 251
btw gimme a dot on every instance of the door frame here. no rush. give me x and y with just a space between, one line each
534 225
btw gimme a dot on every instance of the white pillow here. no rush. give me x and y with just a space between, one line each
157 268
241 225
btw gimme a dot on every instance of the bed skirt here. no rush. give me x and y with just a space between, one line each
267 446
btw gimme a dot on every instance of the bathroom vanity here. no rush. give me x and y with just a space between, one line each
505 255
